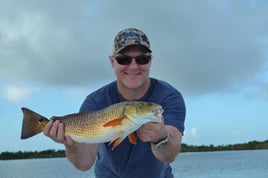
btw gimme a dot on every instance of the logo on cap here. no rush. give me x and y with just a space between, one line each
130 36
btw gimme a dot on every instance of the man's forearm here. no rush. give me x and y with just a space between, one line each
82 155
169 152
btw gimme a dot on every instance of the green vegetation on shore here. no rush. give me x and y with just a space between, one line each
32 154
253 145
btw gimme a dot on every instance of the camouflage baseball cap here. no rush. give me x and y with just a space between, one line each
128 37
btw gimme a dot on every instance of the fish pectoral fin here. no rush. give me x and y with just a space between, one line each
114 122
132 138
117 139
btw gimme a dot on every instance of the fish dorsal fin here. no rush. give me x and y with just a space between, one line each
114 122
69 115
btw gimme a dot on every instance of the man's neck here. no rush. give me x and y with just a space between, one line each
133 94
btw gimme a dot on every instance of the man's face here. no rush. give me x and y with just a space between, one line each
132 76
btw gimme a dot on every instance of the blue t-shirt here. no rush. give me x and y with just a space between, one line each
136 161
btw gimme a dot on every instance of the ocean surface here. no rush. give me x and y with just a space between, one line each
225 164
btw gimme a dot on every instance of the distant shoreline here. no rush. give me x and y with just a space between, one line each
252 145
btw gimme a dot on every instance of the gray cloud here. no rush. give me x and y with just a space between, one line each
199 47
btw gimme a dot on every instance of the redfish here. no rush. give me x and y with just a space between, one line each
111 124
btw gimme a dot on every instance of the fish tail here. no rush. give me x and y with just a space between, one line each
32 124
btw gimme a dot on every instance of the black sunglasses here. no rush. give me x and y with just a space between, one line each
124 59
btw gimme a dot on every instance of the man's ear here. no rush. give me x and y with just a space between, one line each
112 61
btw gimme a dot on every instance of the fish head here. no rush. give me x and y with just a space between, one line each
143 112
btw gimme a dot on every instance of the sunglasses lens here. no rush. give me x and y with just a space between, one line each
123 60
126 60
143 59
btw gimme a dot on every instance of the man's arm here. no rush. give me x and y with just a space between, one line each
154 132
80 154
169 152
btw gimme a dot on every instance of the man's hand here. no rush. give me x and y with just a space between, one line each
152 132
55 130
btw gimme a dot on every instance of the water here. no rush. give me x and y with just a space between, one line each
227 164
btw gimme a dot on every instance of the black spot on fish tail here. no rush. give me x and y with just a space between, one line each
41 120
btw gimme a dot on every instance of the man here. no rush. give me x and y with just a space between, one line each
158 143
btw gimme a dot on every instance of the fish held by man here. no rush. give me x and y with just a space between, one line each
111 124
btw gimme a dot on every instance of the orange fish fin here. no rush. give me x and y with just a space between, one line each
113 122
132 138
116 143
117 139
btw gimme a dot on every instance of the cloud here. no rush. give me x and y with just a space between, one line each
192 134
200 47
257 88
18 94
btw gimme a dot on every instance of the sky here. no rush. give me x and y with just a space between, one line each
215 52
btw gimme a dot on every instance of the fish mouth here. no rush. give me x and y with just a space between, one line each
158 114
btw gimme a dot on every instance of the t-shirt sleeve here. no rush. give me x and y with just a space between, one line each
97 100
174 110
89 104
172 102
